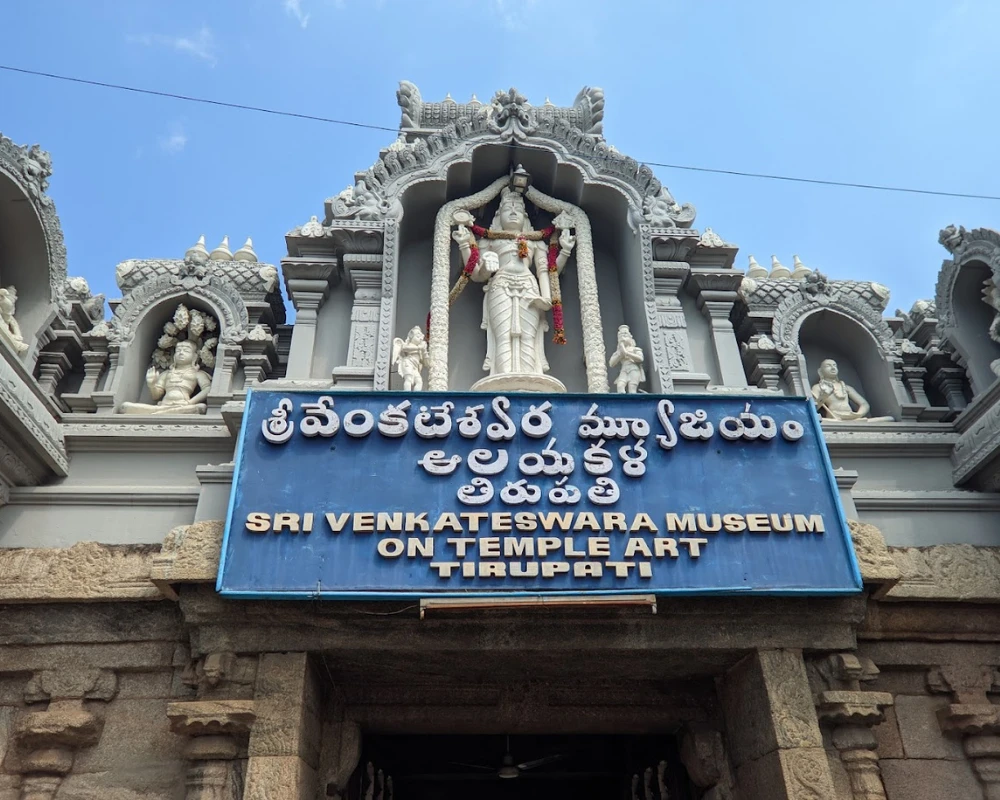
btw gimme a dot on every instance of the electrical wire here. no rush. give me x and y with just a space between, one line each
367 126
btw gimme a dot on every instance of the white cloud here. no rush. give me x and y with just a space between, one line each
512 13
294 9
200 45
174 141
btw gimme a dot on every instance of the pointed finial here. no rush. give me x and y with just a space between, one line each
755 270
448 98
197 251
475 100
549 102
246 252
222 253
799 270
778 270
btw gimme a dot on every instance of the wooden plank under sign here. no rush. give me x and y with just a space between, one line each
539 601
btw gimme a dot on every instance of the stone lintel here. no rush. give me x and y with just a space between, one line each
190 554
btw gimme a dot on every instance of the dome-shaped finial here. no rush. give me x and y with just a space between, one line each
197 251
778 270
222 253
246 252
799 270
448 98
549 103
755 270
475 100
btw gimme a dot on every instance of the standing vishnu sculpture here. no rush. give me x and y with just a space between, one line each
516 300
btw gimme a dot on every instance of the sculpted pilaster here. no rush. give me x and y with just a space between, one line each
669 278
217 731
973 717
851 713
308 283
365 273
45 743
716 295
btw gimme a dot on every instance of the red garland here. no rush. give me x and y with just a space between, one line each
552 262
473 259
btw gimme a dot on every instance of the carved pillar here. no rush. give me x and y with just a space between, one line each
94 360
772 730
217 731
950 381
365 272
716 294
45 743
52 366
669 278
259 355
285 739
308 283
762 362
851 714
707 763
972 716
227 359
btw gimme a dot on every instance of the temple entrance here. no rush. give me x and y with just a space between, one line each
494 767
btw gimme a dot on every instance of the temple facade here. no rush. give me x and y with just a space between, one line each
499 247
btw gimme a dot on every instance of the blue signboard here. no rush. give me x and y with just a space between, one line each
387 495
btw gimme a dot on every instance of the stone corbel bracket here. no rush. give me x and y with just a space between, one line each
190 554
878 569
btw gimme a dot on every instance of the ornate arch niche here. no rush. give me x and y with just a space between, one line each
471 167
138 323
32 251
833 321
964 315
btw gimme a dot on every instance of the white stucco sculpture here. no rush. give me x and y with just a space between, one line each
837 401
629 355
180 389
409 356
991 296
516 300
9 328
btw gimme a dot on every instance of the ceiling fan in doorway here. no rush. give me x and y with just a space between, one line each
507 770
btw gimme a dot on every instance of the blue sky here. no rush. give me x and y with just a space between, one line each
899 92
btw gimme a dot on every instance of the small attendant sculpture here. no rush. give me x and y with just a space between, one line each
834 398
516 300
9 328
180 389
409 356
629 356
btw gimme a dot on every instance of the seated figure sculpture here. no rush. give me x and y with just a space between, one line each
181 389
834 398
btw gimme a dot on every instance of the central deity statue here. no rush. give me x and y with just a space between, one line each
181 389
516 299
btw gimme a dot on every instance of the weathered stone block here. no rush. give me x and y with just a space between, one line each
285 777
920 730
190 554
799 774
768 705
916 779
136 738
287 706
889 744
85 571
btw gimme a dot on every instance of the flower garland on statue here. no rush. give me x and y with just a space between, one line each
552 234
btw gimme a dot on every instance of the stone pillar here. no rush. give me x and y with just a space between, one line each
217 731
669 278
45 743
772 729
285 739
259 355
950 381
365 272
308 283
851 714
971 715
52 365
716 294
227 359
94 360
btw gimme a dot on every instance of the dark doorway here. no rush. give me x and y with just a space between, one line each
520 767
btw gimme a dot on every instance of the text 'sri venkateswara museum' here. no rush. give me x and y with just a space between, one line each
540 497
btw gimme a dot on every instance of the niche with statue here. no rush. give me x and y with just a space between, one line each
178 379
847 374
